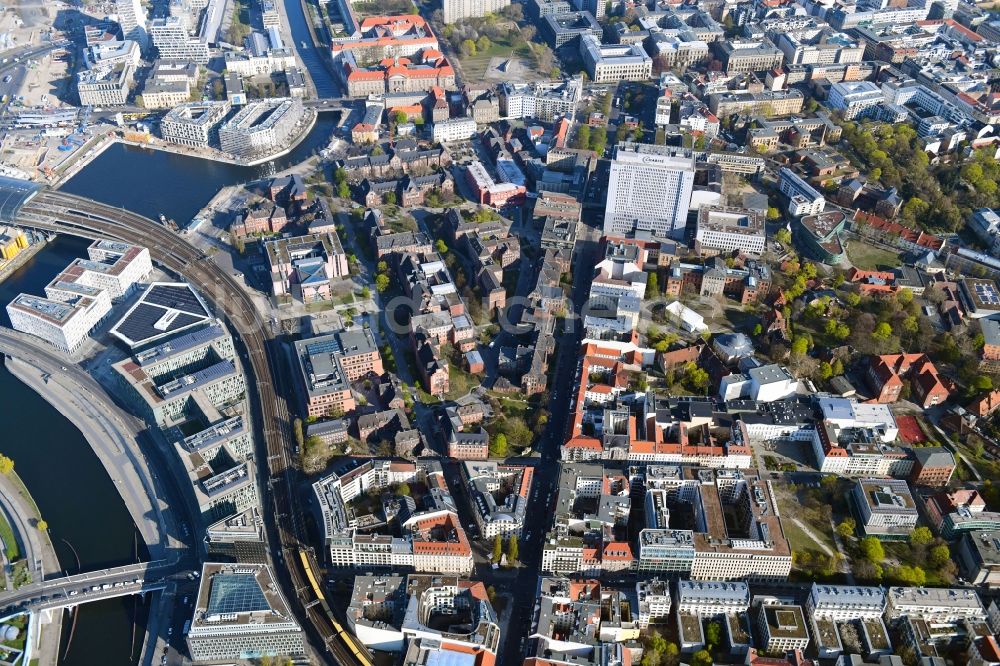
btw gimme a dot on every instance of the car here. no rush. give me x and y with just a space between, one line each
170 631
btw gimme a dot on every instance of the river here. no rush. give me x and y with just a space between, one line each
73 492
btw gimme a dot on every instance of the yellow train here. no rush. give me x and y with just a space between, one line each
357 649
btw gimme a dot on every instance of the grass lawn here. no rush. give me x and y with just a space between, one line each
460 382
475 66
9 542
870 258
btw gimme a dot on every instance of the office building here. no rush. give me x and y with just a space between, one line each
978 556
65 324
132 20
649 190
329 363
654 601
111 53
456 10
546 101
160 94
803 198
724 230
706 598
454 129
566 28
747 56
843 603
855 99
303 266
615 62
937 605
173 42
164 310
375 614
194 124
239 614
261 127
238 538
105 85
781 627
885 507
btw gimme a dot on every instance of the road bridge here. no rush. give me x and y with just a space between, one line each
69 591
60 212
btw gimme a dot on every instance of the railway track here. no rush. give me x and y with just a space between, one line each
71 214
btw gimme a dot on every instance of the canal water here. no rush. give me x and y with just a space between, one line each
74 494
151 182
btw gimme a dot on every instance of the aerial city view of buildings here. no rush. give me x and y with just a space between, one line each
544 332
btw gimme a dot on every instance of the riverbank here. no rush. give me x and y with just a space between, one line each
104 427
21 259
210 154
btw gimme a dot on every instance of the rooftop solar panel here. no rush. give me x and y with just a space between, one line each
162 310
236 593
177 298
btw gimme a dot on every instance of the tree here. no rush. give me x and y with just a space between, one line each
882 332
381 283
982 383
921 536
846 527
599 140
344 191
403 489
296 432
800 345
872 549
483 43
468 47
43 526
513 550
671 654
713 635
702 658
696 377
908 575
401 117
652 286
389 198
340 175
499 446
497 548
783 236
441 247
853 299
6 465
939 556
758 329
774 214
583 137
366 293
838 367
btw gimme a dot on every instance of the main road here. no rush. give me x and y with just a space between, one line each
70 214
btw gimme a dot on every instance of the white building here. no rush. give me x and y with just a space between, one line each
885 506
654 601
454 129
545 101
132 19
173 42
65 324
854 98
937 605
803 198
986 223
726 229
689 320
614 62
456 10
113 266
193 124
105 85
707 598
113 53
261 127
781 627
842 603
499 496
649 189
239 614
771 382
